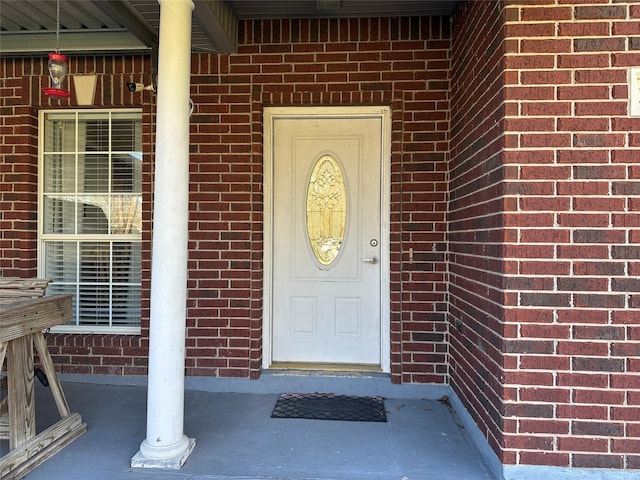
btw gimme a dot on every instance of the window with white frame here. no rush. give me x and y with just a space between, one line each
90 215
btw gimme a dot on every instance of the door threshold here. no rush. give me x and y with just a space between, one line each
301 368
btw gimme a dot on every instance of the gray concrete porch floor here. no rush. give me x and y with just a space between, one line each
236 438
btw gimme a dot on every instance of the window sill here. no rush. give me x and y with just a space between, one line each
89 330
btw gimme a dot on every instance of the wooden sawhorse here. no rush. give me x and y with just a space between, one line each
21 326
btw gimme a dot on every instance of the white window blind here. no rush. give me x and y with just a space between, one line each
90 219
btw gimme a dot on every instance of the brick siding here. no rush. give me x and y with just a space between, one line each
476 203
514 182
544 230
21 84
399 62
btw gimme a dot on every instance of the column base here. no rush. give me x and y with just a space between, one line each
141 461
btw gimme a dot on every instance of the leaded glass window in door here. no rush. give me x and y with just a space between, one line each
326 210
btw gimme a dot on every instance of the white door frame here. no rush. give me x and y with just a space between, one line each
270 114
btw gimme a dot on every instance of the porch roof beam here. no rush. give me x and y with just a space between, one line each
219 23
77 41
137 25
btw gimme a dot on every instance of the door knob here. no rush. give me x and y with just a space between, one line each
373 260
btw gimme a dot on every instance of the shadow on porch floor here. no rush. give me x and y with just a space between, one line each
236 438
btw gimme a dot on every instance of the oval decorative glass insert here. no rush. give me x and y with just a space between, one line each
326 209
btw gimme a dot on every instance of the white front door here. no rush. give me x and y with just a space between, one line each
326 236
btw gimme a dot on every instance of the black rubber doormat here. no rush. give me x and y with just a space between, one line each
327 406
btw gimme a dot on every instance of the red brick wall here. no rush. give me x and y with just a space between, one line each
542 182
476 231
563 250
18 173
403 63
398 62
21 97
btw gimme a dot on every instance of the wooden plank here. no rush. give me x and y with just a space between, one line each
23 283
4 411
50 372
16 289
3 352
23 318
22 414
20 461
18 294
4 417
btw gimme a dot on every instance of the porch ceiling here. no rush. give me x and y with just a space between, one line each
28 27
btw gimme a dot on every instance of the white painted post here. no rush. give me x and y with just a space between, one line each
166 446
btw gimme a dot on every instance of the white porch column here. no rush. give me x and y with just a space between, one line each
166 446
